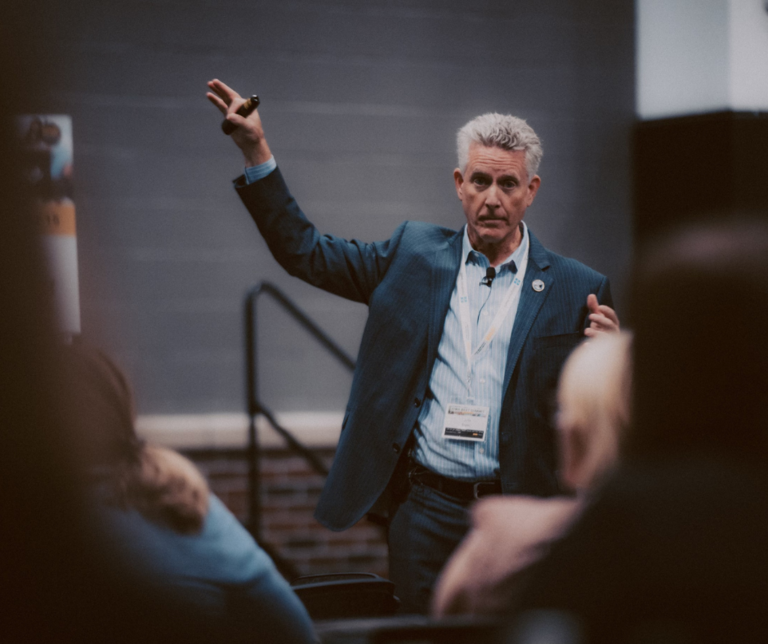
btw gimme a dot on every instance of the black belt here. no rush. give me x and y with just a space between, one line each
461 490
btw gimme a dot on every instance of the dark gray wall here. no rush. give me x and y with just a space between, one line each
361 101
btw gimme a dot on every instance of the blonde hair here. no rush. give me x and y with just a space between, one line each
165 487
594 402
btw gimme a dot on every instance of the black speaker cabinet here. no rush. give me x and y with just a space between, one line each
690 167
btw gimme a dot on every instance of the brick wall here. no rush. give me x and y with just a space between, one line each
290 490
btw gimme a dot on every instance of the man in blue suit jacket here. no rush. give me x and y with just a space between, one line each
466 334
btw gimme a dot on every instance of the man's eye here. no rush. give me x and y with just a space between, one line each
509 185
480 181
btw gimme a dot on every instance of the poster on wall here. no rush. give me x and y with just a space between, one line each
47 158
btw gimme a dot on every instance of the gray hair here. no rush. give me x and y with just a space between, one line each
502 131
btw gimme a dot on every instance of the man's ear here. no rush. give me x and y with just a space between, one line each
458 179
533 188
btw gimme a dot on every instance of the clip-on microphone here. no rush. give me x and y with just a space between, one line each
490 274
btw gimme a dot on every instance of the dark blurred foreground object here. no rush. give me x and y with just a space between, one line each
674 548
57 585
346 595
53 587
700 312
673 553
413 629
688 165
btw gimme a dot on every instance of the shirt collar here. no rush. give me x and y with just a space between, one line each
516 256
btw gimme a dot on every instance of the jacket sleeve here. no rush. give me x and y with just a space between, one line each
350 269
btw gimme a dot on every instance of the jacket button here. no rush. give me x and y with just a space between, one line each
416 402
395 448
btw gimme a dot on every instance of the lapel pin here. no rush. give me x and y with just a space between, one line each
538 286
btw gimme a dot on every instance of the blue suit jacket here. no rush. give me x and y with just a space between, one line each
407 281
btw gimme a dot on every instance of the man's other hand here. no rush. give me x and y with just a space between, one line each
602 318
249 133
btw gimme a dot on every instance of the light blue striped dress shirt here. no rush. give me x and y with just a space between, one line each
464 459
454 458
255 172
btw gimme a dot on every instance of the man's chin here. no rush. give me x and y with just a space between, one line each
496 236
493 235
494 225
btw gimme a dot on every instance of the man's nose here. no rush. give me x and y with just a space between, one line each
492 197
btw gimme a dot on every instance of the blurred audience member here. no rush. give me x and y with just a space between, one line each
163 526
673 549
510 533
593 401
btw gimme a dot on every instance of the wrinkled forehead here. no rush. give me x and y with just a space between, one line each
496 160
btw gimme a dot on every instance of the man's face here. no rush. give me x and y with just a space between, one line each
495 192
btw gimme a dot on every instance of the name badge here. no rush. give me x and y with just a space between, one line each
466 422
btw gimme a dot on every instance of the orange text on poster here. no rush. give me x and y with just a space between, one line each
56 217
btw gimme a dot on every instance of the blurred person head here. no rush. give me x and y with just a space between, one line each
593 408
163 530
700 313
161 484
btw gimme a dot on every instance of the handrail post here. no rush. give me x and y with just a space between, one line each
254 488
255 408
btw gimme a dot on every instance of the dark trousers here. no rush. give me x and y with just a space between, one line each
423 532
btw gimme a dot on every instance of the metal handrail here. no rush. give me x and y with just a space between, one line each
256 407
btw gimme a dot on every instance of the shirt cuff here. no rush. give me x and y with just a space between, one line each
256 172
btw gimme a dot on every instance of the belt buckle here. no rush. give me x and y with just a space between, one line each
413 473
476 493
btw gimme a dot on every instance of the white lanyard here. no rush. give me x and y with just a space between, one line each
510 297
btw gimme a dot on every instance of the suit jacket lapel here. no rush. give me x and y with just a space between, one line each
445 268
531 302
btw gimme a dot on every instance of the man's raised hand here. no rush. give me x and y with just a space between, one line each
602 318
249 133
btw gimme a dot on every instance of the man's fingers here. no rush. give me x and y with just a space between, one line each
223 91
592 304
227 100
609 313
602 322
236 120
602 318
217 102
216 88
247 133
598 319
